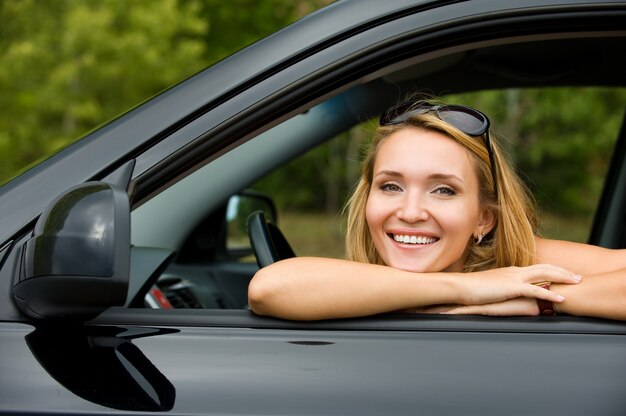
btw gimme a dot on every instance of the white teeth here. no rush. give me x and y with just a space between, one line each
413 239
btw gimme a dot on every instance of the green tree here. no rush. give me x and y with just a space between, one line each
236 23
67 66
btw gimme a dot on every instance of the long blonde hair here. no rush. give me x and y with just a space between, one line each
510 243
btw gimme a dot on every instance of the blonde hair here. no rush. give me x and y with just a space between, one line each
512 240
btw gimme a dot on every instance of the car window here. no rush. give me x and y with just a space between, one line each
561 139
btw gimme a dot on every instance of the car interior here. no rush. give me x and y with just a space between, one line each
190 247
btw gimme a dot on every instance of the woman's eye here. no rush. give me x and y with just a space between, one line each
390 187
445 190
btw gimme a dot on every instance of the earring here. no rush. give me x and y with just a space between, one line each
479 239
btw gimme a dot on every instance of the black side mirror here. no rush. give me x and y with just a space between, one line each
77 263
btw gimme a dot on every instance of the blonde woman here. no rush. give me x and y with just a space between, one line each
440 223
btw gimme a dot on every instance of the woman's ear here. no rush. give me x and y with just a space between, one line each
486 222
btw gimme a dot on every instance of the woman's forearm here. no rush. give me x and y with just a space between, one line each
317 288
602 292
602 295
314 288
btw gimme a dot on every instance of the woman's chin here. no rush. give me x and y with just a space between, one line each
411 266
423 264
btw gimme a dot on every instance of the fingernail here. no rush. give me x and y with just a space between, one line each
560 298
577 277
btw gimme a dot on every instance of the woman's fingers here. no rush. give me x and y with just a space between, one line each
511 307
498 285
539 292
434 309
539 273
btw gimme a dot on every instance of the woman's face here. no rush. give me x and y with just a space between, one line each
423 208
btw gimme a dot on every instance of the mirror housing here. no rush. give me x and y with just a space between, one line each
77 263
240 207
103 365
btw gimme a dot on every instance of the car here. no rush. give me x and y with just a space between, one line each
124 258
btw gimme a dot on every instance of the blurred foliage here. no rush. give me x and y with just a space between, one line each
67 66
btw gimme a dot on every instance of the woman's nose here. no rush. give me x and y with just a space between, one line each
412 209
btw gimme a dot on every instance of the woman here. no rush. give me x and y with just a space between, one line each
440 223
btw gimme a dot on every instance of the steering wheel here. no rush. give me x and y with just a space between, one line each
268 242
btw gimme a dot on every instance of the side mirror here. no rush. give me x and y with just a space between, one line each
239 208
77 263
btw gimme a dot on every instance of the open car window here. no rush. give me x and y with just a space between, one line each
559 126
303 175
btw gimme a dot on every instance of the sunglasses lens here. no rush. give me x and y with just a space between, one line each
464 119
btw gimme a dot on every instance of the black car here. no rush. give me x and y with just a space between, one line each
124 276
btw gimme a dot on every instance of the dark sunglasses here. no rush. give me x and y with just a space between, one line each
468 120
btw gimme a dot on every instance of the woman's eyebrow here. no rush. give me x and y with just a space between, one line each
445 176
391 173
439 176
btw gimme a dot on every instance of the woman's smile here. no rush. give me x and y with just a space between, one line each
412 239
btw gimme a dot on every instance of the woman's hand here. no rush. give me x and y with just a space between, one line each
499 285
510 291
511 307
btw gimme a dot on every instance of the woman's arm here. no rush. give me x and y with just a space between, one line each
305 288
580 258
599 295
603 290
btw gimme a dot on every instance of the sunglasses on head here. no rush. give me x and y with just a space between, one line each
468 120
